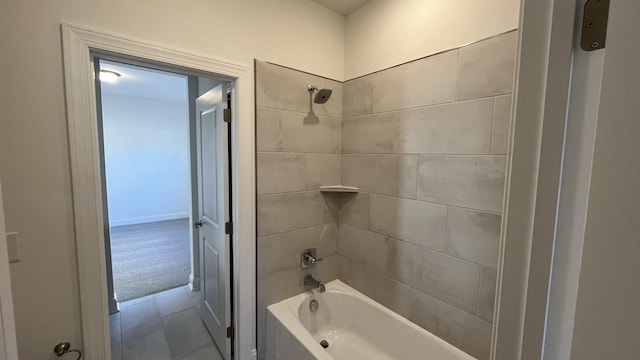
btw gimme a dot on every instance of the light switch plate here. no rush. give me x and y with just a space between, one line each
13 247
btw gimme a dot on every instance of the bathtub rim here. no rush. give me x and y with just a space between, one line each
286 312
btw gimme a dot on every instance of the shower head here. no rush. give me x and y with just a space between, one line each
322 96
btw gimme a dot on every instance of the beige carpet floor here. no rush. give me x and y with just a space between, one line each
149 258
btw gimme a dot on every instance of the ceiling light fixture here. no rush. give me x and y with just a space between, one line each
109 76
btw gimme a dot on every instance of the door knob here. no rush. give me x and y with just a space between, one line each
198 224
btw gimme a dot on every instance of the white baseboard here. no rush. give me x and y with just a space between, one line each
194 283
114 305
148 219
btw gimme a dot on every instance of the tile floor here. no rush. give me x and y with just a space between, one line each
162 326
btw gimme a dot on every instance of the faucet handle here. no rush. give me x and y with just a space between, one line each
308 258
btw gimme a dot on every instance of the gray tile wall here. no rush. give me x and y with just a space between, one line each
297 152
426 143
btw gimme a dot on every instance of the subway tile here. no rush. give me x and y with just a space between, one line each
286 284
487 68
358 96
382 174
475 182
427 81
278 287
487 296
381 253
278 87
324 238
449 279
457 327
355 210
292 211
322 169
330 268
388 292
269 259
417 222
456 128
269 129
280 172
501 122
287 131
321 136
473 235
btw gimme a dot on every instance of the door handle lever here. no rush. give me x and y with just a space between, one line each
198 224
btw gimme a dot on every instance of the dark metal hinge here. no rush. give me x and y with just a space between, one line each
227 115
231 332
228 228
594 25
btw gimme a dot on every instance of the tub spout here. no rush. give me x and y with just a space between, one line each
309 281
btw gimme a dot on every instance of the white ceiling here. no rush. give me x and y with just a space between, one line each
344 7
144 82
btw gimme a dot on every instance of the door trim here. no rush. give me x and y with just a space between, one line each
534 165
78 43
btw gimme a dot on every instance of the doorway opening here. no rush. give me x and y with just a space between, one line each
145 132
165 161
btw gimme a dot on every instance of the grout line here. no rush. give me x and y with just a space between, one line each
300 229
493 125
298 113
422 154
451 305
416 177
455 91
308 73
418 107
404 242
446 232
297 152
413 288
431 202
304 171
478 293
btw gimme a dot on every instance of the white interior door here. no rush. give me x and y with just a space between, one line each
607 317
213 206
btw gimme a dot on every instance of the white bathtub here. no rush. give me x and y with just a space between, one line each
355 326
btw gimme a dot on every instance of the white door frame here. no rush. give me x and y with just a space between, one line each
78 43
534 171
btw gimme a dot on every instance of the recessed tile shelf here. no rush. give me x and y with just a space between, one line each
339 189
